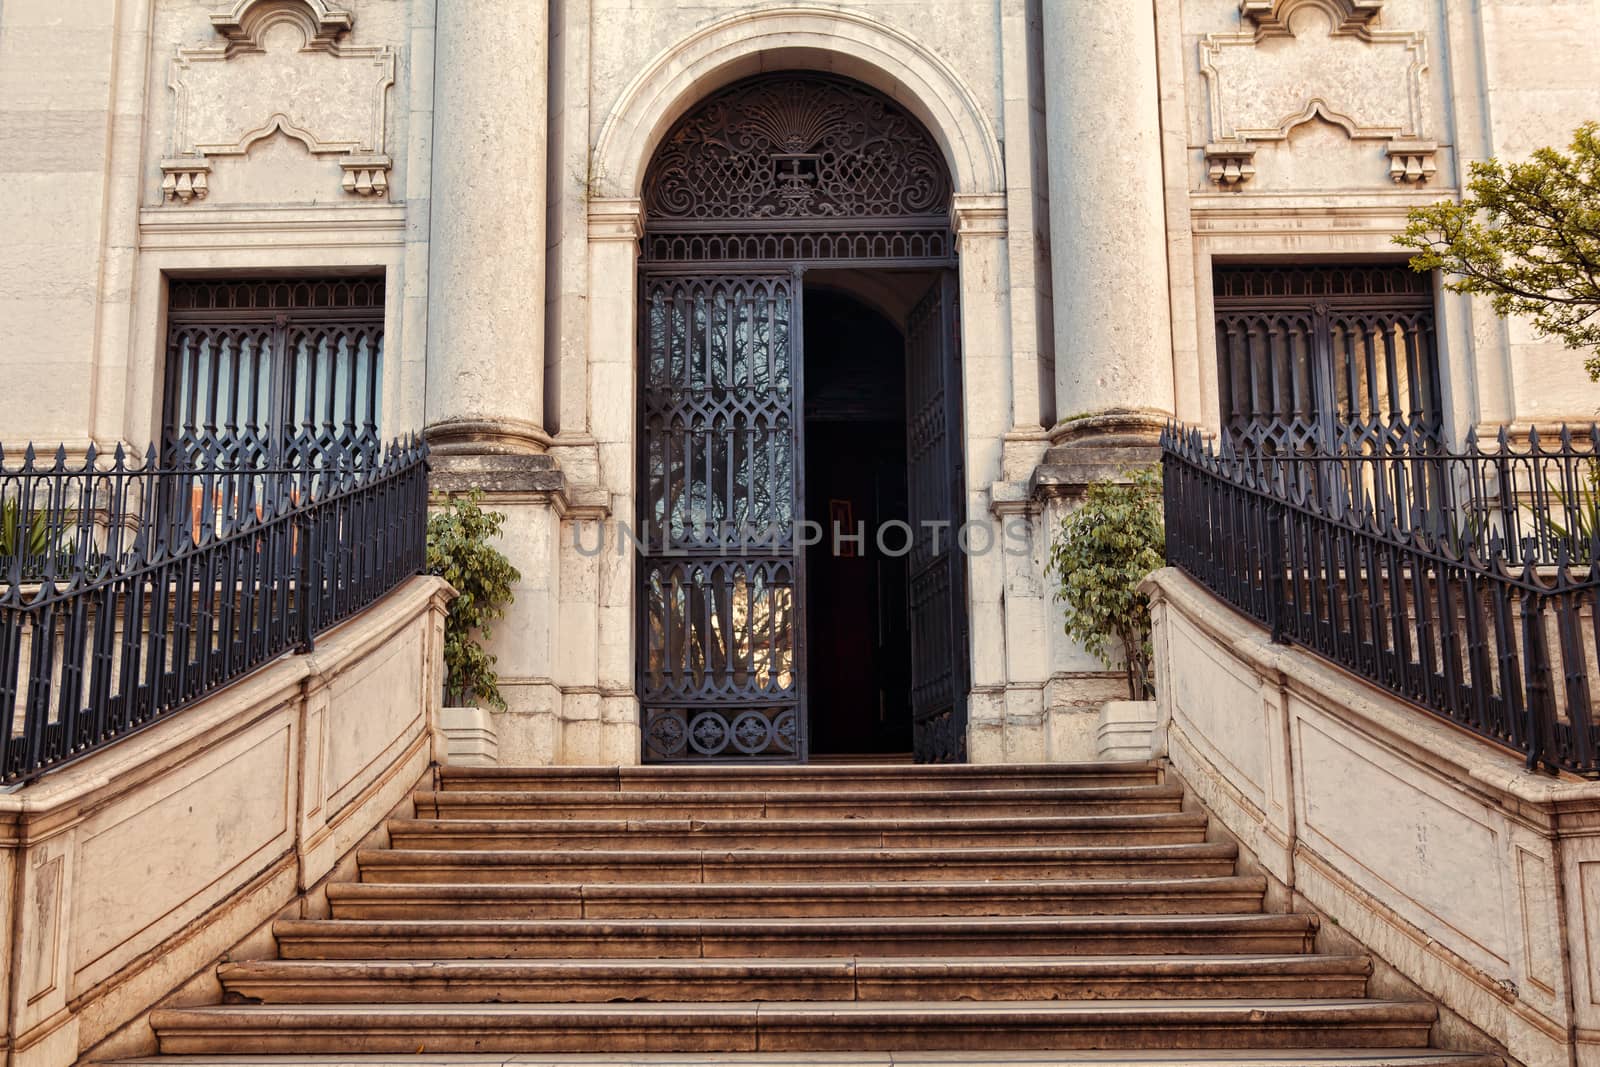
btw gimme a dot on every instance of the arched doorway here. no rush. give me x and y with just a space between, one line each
776 194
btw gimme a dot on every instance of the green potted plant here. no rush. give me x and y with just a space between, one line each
1100 554
462 552
35 542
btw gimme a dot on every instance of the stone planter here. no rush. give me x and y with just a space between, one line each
470 737
1125 728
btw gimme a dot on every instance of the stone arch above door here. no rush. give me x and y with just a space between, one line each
797 38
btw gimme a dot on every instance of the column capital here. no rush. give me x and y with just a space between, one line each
616 218
978 215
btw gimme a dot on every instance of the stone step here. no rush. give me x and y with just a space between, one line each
781 777
794 1026
674 834
768 938
911 802
1135 1058
794 979
797 865
1231 894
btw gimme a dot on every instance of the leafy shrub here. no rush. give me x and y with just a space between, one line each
1102 552
460 552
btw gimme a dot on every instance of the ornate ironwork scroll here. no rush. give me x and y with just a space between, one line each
798 167
719 475
937 570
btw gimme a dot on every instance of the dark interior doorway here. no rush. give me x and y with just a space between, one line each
857 638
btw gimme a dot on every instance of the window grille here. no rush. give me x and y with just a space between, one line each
255 368
1340 358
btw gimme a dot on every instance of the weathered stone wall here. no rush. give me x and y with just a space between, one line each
487 163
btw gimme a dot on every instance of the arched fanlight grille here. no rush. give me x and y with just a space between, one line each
798 167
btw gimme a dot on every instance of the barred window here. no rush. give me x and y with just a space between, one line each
1337 357
255 365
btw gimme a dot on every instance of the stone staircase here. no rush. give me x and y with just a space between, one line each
769 915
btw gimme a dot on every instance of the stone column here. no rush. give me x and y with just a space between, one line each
1111 297
1113 329
484 408
486 285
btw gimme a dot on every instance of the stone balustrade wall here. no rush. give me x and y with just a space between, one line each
127 875
1477 881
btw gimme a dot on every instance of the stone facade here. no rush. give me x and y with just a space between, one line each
487 158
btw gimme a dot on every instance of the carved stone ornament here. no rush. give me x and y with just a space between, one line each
1231 164
366 175
1411 162
282 68
243 24
1271 17
1301 60
183 180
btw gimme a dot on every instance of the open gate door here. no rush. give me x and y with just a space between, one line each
720 575
935 479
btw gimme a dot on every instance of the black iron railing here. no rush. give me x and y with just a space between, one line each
1466 582
1529 500
130 588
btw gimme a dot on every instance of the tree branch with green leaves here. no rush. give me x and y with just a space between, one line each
1527 236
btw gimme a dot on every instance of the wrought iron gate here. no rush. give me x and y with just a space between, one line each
720 449
762 180
938 570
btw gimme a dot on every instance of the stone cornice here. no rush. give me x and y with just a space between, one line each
978 215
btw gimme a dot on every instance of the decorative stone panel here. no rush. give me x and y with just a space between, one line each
282 68
1301 60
